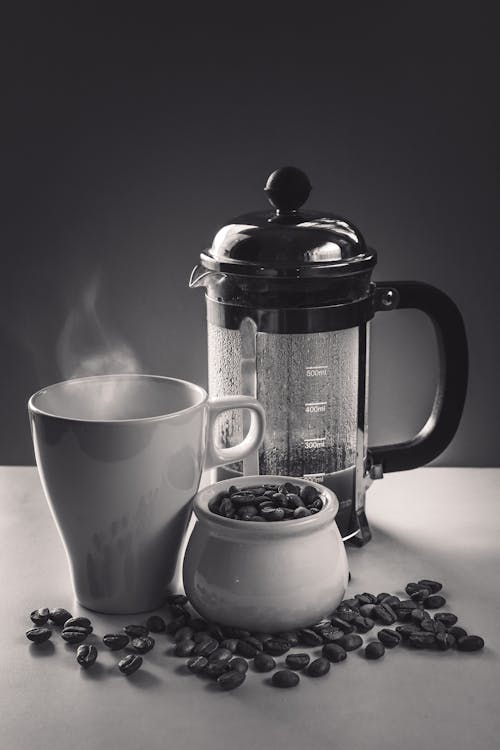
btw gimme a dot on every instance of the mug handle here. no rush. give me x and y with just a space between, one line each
449 399
216 456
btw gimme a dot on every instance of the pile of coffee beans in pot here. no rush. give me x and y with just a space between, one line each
225 653
268 502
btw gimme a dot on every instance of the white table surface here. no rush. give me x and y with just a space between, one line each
434 523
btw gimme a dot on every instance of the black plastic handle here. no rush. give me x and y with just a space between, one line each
449 400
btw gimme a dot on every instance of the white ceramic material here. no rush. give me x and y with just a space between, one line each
120 457
265 576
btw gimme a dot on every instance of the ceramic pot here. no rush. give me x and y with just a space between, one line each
270 576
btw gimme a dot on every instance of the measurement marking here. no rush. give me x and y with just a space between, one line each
315 477
318 442
316 367
315 407
315 403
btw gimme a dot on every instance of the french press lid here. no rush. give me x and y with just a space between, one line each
289 241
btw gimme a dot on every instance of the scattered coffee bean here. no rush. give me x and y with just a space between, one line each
432 626
79 622
419 595
384 613
335 634
230 643
421 639
447 618
202 635
218 634
144 644
363 624
183 633
290 635
231 680
457 632
276 646
203 648
285 678
59 616
197 664
255 642
40 616
374 650
351 642
297 661
342 624
310 638
392 601
406 605
264 662
365 598
156 624
433 586
238 664
38 635
406 630
434 601
214 669
390 638
366 610
348 604
419 615
220 656
178 622
380 597
86 654
135 631
185 648
74 635
470 643
115 641
231 632
247 650
334 652
445 641
177 610
130 664
318 667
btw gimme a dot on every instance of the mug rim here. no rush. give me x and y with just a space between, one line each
34 409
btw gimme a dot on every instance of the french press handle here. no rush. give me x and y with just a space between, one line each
449 399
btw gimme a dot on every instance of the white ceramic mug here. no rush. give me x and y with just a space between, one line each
120 457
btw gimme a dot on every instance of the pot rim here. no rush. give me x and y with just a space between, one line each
255 531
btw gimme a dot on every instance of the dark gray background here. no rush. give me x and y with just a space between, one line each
131 136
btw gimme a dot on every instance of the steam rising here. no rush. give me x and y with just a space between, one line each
86 347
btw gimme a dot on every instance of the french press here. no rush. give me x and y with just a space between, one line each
289 302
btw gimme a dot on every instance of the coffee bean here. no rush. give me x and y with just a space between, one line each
390 638
227 508
185 648
255 642
115 641
384 613
59 616
276 646
230 643
74 635
241 500
177 610
434 601
38 635
392 601
218 634
204 648
215 670
129 664
335 634
156 624
254 518
366 610
419 615
285 678
348 604
264 662
40 616
178 622
470 643
289 488
310 638
421 639
374 650
406 630
380 597
178 599
247 650
363 624
79 622
238 664
318 667
351 641
220 656
406 605
432 626
273 514
445 641
297 661
308 494
289 635
231 680
197 664
411 587
433 586
202 635
457 632
295 501
183 633
420 595
342 624
365 598
447 618
301 512
247 512
334 652
144 644
135 631
86 654
263 637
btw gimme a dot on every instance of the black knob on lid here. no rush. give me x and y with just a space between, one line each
287 189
